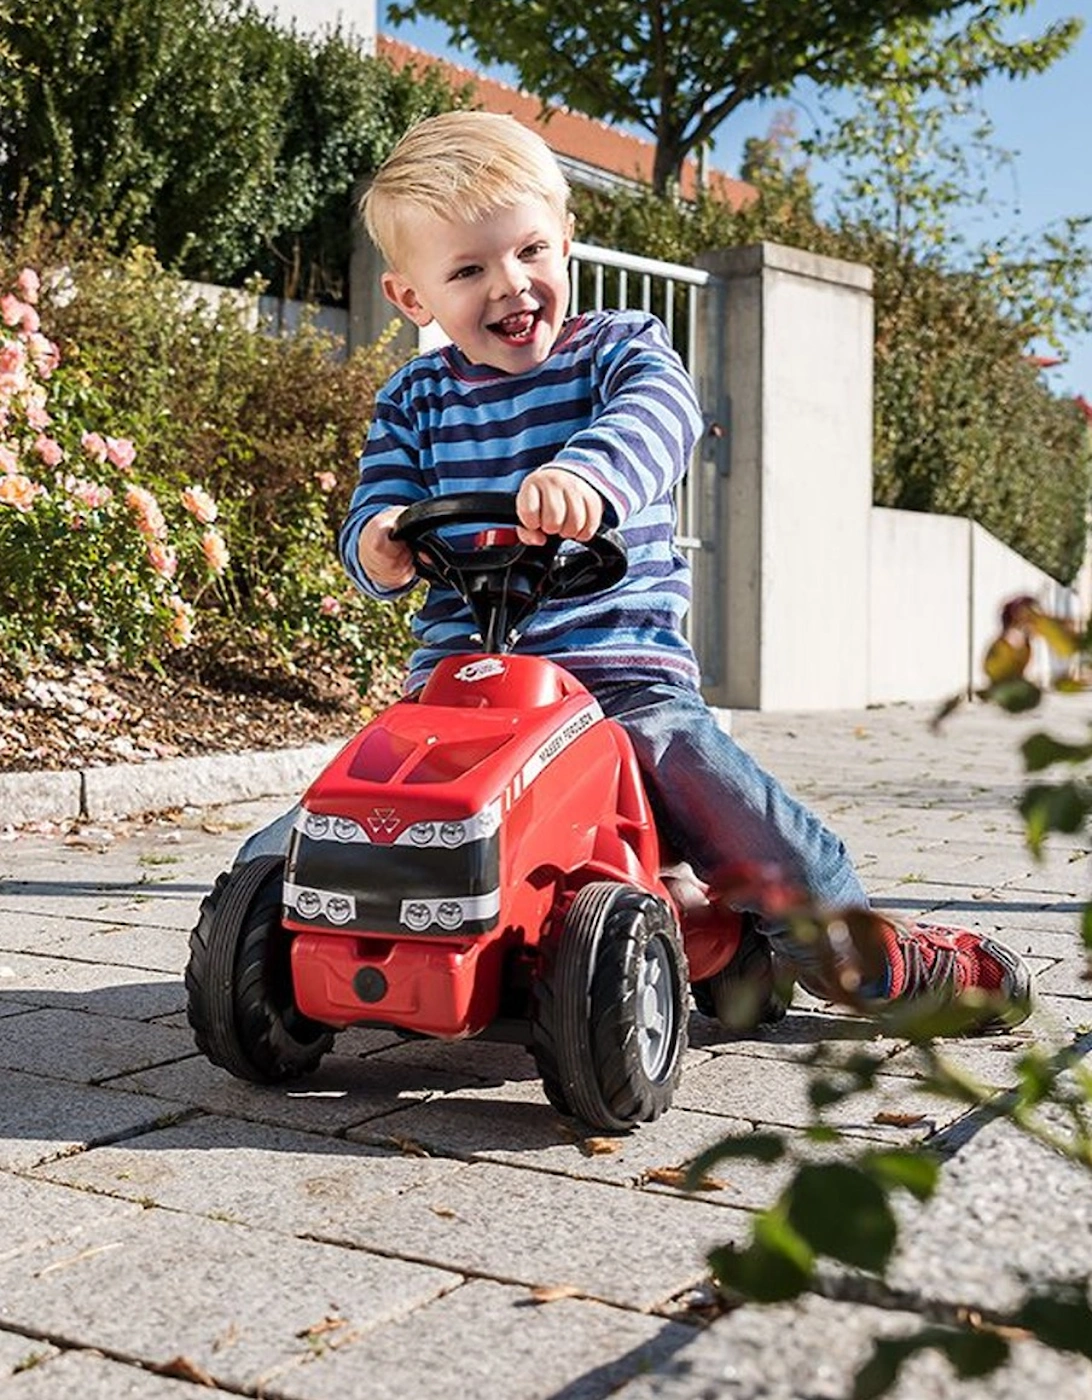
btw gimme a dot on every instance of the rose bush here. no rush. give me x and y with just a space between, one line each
92 562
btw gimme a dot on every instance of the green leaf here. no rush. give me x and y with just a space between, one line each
1042 750
777 1264
1062 1320
842 1213
916 1172
1016 696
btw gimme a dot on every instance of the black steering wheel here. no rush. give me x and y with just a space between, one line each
503 580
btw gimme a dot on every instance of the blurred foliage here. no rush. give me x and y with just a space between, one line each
199 128
270 428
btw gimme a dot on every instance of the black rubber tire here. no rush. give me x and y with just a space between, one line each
747 993
239 983
602 1054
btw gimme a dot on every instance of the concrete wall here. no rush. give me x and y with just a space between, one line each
794 354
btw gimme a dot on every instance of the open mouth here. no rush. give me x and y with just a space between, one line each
518 328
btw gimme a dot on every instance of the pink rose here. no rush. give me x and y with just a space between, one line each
330 607
215 551
199 504
94 444
163 559
28 284
49 450
11 309
9 460
326 480
121 452
19 491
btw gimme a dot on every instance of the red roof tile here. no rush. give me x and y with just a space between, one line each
568 133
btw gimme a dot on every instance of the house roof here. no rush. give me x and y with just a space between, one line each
584 145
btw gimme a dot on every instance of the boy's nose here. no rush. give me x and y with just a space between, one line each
511 279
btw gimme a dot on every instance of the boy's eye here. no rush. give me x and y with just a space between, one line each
461 273
533 250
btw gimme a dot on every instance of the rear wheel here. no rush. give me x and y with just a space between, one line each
747 993
239 980
610 1009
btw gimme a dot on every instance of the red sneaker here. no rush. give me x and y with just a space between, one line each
948 964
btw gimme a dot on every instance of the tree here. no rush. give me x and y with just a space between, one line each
679 68
199 128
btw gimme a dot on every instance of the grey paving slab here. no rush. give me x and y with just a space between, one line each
236 1302
51 796
344 1091
42 1218
122 944
84 1047
774 1092
1007 1211
516 1349
90 1376
19 1353
813 1349
1068 979
45 1118
95 987
277 1180
632 1248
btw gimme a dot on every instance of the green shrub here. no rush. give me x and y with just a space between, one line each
267 429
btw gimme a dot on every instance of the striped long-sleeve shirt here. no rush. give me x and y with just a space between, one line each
612 403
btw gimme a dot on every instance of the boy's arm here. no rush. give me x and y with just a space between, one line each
389 481
638 446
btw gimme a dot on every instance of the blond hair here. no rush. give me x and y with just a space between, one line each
464 165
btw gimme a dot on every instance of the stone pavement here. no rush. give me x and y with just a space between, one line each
416 1221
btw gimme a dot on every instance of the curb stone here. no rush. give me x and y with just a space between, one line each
139 789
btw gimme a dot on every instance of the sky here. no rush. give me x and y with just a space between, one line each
1045 122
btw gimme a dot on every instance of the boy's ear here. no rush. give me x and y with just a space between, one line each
401 295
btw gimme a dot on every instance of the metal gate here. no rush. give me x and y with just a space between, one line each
601 278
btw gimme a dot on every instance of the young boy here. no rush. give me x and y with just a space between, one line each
584 420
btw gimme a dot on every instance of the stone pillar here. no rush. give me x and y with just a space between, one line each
786 370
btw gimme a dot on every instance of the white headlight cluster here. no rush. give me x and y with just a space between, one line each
322 828
311 904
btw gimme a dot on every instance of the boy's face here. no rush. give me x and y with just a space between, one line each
498 287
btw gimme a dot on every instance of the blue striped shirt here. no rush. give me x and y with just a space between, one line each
611 403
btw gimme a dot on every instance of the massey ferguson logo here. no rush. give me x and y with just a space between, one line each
480 670
384 821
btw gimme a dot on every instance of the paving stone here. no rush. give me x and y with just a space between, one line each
286 1182
632 1248
95 987
90 1376
42 1217
18 1353
123 945
50 797
83 1047
45 1118
341 1093
577 1349
772 1091
236 1302
1068 979
814 1348
1007 1210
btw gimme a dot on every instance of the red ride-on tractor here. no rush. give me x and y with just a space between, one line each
480 861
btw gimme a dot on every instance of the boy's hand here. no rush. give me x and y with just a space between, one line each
553 501
388 563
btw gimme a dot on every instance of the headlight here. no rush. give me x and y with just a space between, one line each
449 915
417 916
309 903
345 829
453 833
421 833
339 910
316 826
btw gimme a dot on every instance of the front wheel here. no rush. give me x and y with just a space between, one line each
239 980
610 1018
